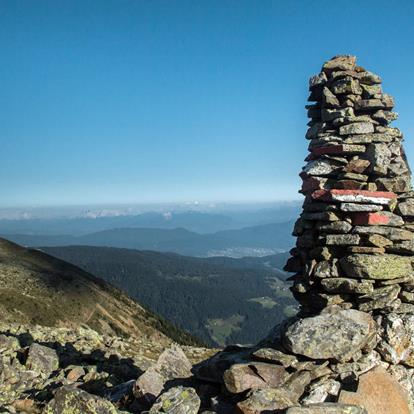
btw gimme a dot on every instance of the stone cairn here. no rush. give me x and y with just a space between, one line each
354 237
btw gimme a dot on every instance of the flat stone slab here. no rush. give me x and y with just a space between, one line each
339 149
370 219
354 196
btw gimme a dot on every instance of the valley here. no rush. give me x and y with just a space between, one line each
219 300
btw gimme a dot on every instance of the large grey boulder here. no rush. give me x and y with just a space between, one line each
334 334
172 364
42 359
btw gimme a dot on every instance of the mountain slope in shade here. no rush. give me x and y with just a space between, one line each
39 289
220 300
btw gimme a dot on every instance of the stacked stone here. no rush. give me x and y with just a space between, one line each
355 234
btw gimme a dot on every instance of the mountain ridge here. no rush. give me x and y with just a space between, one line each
256 240
41 289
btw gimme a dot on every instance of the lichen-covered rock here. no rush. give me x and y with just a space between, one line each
397 338
273 355
42 359
377 267
242 377
337 334
265 400
171 364
69 400
177 400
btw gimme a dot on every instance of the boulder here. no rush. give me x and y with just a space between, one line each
177 400
265 400
242 377
171 364
42 359
69 400
334 334
378 392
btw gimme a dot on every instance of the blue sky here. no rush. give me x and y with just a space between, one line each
149 101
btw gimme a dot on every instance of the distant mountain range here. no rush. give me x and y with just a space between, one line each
220 300
258 240
199 222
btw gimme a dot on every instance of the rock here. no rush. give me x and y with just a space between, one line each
334 335
42 359
339 149
318 80
354 196
265 400
379 298
8 344
391 233
366 249
379 156
321 390
342 239
326 269
328 98
75 373
242 377
378 392
68 400
406 208
356 128
328 408
378 267
149 385
397 339
355 207
339 226
340 62
273 355
177 400
379 241
171 364
371 219
340 284
321 167
357 165
346 86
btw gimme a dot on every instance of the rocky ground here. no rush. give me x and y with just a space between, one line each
42 368
329 363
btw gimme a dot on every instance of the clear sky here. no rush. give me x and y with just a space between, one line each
147 100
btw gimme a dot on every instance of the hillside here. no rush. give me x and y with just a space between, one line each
220 300
249 241
39 289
